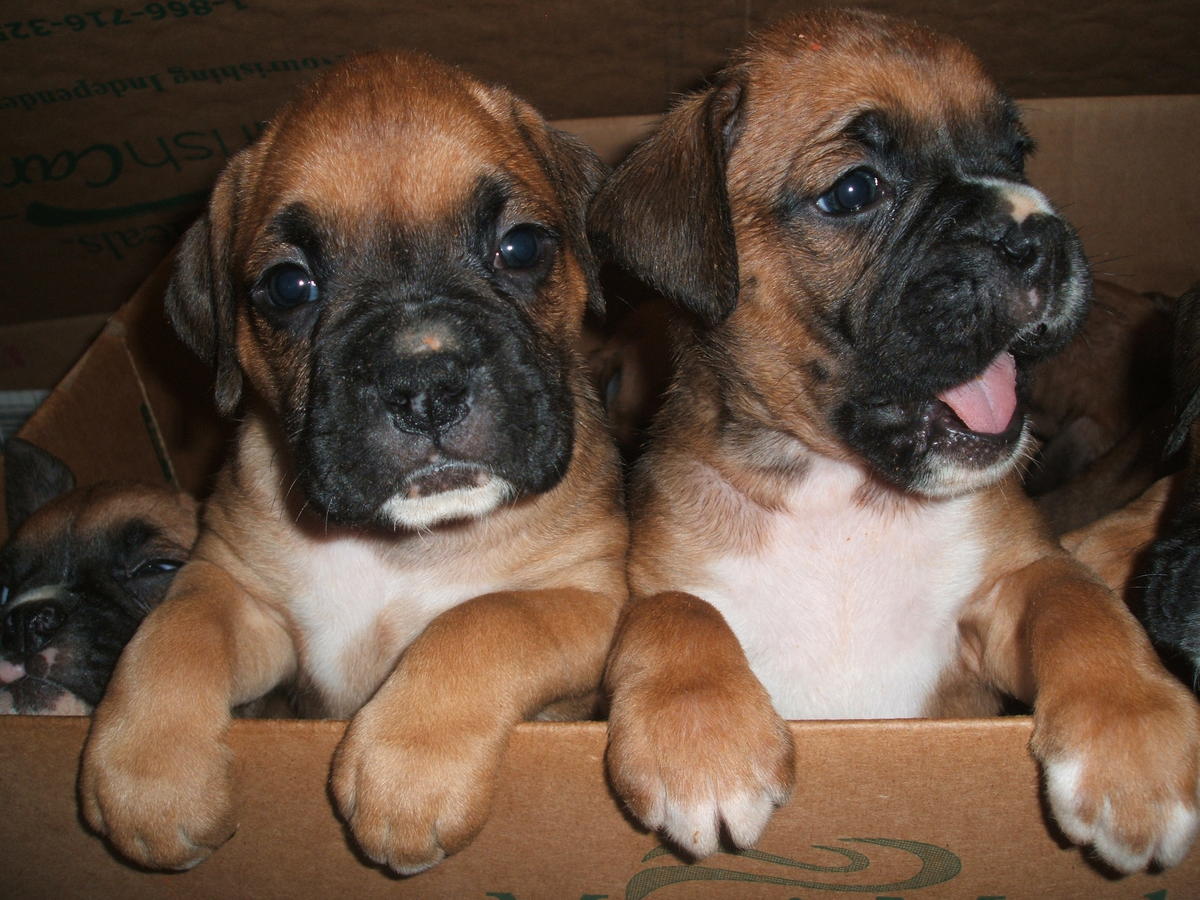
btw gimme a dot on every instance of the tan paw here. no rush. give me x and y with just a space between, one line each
412 797
1121 772
700 762
164 799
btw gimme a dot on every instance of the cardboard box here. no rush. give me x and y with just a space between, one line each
897 809
160 95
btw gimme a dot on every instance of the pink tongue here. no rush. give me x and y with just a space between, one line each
986 404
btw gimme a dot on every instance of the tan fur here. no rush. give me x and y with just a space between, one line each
414 774
1112 546
694 742
95 509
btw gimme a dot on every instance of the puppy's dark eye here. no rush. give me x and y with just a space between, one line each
290 285
156 567
520 248
853 192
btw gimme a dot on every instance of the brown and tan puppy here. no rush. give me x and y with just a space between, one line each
829 522
421 522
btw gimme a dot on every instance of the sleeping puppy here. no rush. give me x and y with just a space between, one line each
421 523
829 522
81 569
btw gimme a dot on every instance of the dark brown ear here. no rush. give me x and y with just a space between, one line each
200 297
32 478
576 172
664 213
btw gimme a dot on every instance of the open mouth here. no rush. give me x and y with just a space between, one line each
987 404
954 439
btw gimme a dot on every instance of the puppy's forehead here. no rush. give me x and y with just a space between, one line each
813 76
96 513
404 136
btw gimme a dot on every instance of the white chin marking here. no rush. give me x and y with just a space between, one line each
460 503
941 478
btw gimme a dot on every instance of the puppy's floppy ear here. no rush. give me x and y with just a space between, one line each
32 478
576 172
664 214
200 296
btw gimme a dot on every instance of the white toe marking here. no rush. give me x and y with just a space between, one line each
1117 854
745 816
418 868
693 827
1062 787
656 815
1182 823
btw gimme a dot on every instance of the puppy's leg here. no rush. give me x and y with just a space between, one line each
1112 546
155 776
415 773
1118 738
694 745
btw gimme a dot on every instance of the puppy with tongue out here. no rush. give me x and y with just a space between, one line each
828 521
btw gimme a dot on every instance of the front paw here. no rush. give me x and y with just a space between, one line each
1122 772
694 761
413 795
163 797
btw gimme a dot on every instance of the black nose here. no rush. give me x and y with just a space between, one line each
428 393
1028 243
29 627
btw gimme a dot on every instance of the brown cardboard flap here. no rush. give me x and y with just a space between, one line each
939 809
38 354
177 385
99 420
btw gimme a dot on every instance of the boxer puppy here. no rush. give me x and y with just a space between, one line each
421 523
829 522
81 569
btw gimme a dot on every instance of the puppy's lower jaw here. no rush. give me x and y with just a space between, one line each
413 508
942 478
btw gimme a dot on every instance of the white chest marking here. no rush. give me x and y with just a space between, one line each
347 595
850 611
